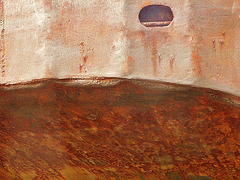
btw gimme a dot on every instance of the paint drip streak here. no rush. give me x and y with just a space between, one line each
2 40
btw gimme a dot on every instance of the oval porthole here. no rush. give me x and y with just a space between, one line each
156 16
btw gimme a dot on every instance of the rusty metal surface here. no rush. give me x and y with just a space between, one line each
125 131
156 24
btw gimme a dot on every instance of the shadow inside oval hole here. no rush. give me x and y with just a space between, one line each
156 16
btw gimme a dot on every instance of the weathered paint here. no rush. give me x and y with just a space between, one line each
95 38
2 39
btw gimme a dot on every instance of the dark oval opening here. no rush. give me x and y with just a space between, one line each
156 16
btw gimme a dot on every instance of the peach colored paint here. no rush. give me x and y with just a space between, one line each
99 38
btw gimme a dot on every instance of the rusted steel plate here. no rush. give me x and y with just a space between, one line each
132 130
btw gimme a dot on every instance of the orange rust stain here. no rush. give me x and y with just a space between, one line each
154 54
63 28
196 59
85 58
136 34
224 34
84 50
172 60
221 41
159 60
214 43
69 29
150 43
128 65
80 68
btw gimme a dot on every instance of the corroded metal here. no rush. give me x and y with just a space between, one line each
66 117
132 130
156 24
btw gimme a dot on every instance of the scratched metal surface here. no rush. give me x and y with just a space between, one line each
126 131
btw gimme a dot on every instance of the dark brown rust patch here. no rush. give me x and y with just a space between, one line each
126 131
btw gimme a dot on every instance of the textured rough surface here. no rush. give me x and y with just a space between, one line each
99 38
132 130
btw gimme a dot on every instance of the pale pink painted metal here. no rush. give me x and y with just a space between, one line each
104 38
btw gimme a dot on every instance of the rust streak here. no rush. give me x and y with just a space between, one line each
154 54
159 60
156 24
197 62
172 60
